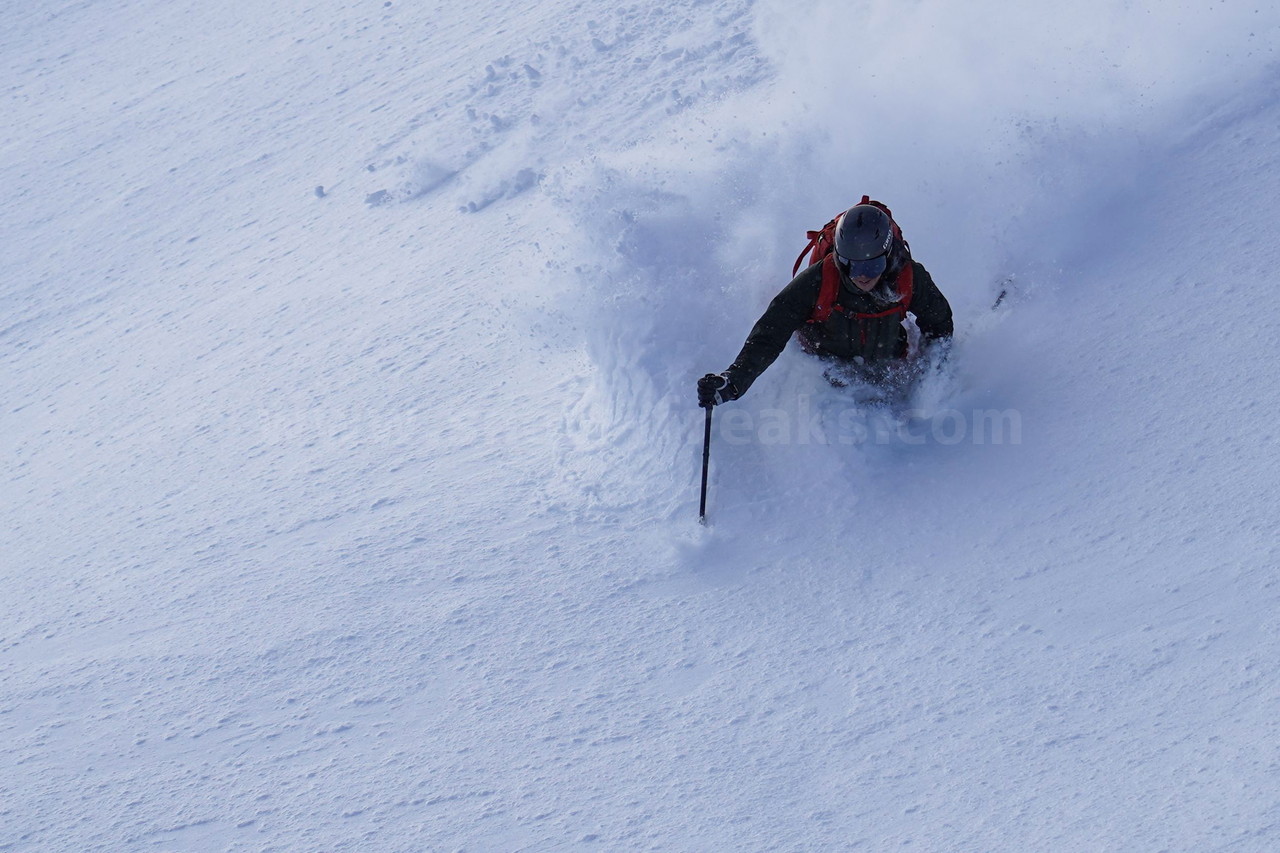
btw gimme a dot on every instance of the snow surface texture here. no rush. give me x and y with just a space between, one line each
351 467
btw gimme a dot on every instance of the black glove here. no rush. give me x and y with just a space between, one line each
715 388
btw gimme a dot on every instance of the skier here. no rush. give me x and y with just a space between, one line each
849 309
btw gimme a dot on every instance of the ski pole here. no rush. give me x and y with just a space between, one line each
706 464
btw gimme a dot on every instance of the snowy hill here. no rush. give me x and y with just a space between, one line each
351 461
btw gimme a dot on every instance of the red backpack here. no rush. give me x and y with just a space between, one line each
821 249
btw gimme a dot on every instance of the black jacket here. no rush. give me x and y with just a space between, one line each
842 337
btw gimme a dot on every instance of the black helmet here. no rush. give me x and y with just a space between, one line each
864 239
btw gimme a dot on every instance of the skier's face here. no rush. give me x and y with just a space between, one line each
864 274
864 283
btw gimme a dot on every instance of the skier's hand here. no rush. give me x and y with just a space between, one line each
715 388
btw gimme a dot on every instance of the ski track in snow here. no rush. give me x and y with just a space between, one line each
348 355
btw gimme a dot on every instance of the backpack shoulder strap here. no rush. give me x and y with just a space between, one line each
828 292
906 285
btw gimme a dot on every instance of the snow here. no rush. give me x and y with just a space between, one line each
365 518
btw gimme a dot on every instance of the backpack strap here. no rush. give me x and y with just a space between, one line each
828 292
821 242
813 241
906 286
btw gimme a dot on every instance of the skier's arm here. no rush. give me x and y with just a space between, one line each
933 312
786 313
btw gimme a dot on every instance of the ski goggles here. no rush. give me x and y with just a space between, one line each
869 268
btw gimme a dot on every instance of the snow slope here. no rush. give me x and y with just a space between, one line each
351 468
